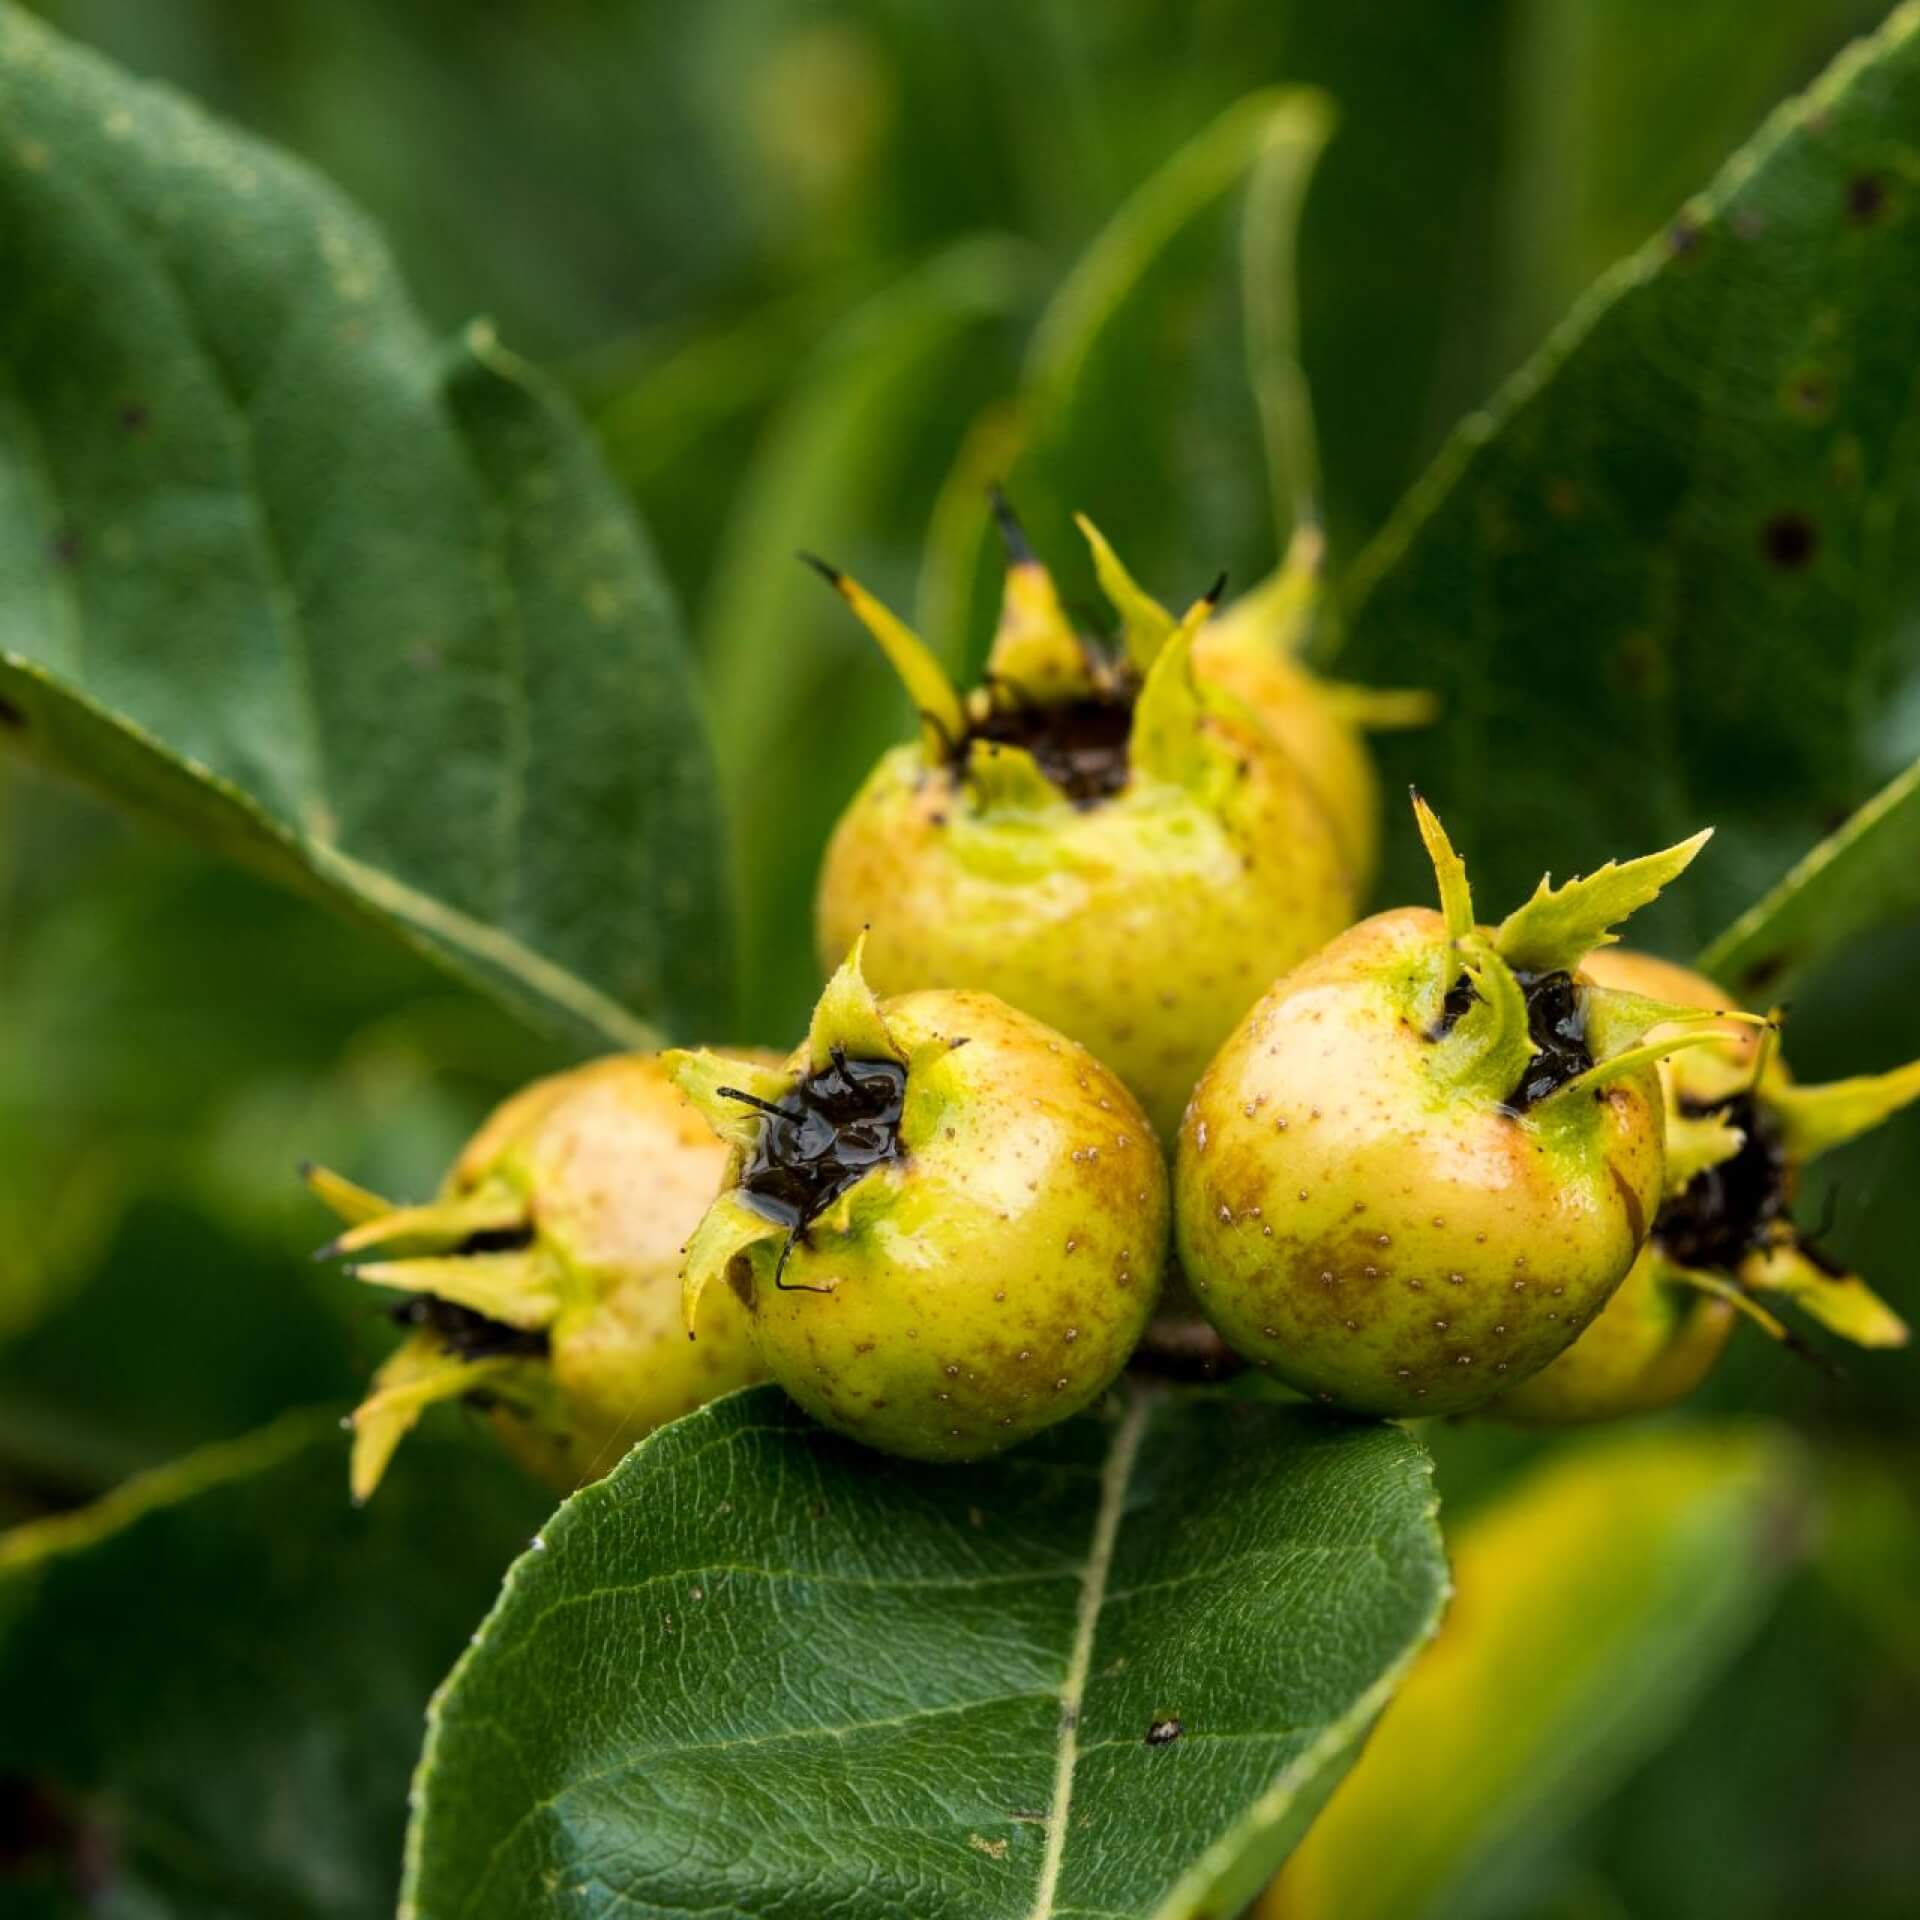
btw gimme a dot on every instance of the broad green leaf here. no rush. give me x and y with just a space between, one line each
214 1678
277 569
760 1671
1592 1604
1665 581
1858 878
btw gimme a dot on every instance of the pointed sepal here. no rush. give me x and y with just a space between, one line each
1449 870
1843 1303
1004 779
847 1018
1696 1142
1617 1020
728 1093
519 1289
1145 625
345 1199
1489 1046
418 1374
438 1227
1815 1120
1036 654
1278 615
1720 1288
924 678
1560 926
1379 709
730 1227
1169 739
1630 1060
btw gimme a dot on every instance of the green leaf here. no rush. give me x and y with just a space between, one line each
1593 1603
760 1671
1858 878
276 569
214 1678
1663 582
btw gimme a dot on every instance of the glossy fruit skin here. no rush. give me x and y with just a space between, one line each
1142 926
1374 1242
995 1278
1653 1343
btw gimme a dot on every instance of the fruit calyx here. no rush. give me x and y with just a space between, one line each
829 1132
1056 719
804 1143
480 1298
1729 1209
1509 1021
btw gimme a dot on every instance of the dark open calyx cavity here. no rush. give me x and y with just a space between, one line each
1080 745
1557 1026
470 1335
825 1135
1726 1211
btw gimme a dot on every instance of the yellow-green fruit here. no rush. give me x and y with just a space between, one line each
1653 1343
544 1281
1120 848
1739 1131
947 1220
1428 1156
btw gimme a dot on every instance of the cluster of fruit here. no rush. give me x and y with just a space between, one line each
1419 1165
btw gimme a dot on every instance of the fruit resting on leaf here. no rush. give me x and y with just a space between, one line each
947 1221
544 1282
1426 1158
1118 846
1739 1132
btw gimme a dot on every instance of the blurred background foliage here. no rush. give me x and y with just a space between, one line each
809 268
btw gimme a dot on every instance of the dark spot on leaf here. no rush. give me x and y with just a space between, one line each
11 716
1790 541
65 548
1810 396
1684 236
134 417
1163 1733
1866 198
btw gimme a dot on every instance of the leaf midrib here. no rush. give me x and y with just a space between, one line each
1114 1480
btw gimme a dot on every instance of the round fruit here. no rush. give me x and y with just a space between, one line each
1739 1132
1118 847
1426 1158
543 1283
947 1221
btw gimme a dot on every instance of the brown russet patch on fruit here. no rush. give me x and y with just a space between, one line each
1636 1213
